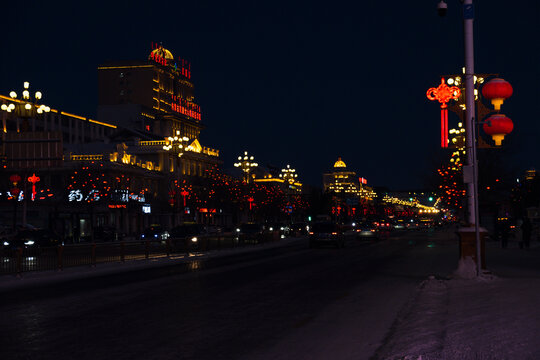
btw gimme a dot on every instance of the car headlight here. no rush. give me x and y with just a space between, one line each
142 236
282 228
6 243
271 229
29 242
155 235
237 230
194 239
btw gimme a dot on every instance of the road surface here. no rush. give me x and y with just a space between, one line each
284 303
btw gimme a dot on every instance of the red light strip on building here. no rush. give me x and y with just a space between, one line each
184 107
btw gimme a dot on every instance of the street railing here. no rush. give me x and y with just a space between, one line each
25 259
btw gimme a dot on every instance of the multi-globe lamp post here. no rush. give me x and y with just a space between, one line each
177 144
288 174
26 107
497 125
246 163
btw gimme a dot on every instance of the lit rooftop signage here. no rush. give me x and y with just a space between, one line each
184 107
164 57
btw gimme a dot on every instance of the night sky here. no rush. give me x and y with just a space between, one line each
297 84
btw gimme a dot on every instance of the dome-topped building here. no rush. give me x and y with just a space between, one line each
339 163
162 52
340 180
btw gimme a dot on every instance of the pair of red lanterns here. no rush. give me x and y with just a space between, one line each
497 125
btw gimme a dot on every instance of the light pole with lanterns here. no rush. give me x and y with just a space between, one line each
497 125
26 107
246 163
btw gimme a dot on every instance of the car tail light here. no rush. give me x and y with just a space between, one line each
310 233
334 233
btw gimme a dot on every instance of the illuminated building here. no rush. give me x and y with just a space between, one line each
349 192
155 98
125 170
343 181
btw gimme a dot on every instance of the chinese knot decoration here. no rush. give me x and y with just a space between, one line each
444 93
33 179
184 193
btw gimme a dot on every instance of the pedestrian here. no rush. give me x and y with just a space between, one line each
526 229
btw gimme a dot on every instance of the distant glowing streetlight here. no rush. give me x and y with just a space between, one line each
246 163
26 107
288 174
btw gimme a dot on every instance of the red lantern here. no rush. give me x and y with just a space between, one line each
497 90
15 179
498 125
15 191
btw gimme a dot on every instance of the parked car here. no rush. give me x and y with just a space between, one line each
324 233
186 236
155 232
250 232
298 229
283 229
366 230
384 225
106 233
32 239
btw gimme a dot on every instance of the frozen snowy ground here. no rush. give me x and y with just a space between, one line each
492 317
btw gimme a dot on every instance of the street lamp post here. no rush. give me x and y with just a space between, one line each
26 107
289 175
470 170
246 163
177 144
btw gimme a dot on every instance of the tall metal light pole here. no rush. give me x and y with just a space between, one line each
470 170
470 130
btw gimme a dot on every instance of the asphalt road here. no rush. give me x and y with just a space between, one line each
280 303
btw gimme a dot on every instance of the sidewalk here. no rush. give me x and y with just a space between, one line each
495 316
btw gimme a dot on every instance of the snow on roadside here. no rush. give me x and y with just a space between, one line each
480 318
419 327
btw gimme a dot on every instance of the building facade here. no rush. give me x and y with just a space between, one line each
125 170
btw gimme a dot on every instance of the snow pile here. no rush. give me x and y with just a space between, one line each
466 268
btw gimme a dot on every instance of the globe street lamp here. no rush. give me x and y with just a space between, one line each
176 144
288 175
246 163
26 107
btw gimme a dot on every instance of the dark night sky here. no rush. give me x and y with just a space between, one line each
297 84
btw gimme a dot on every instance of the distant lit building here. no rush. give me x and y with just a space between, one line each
345 182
